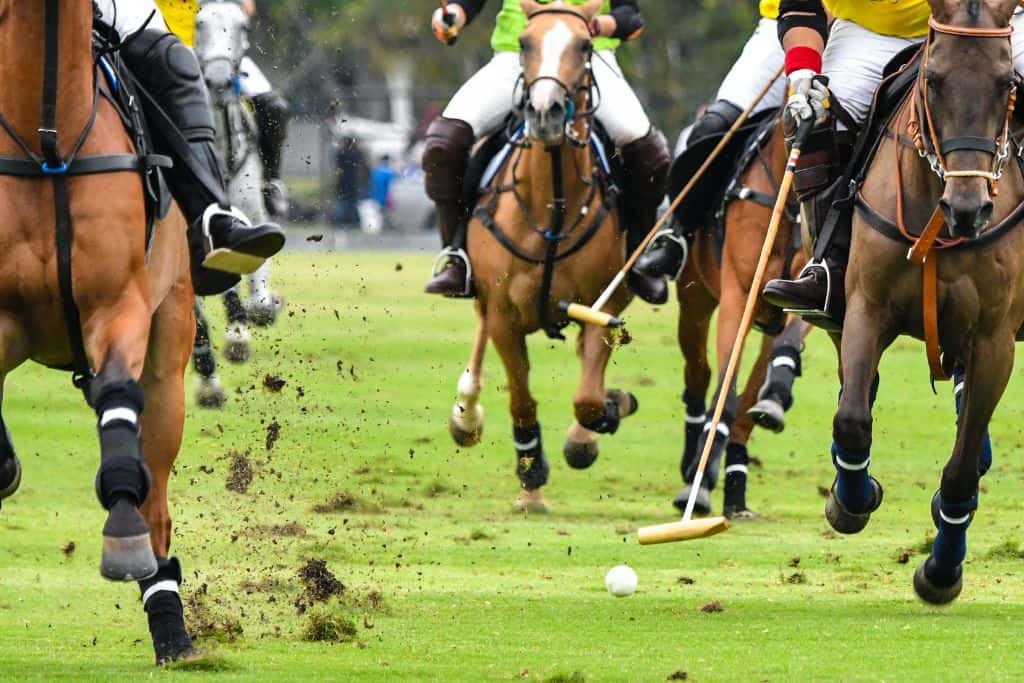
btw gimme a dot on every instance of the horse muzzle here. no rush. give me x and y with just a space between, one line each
966 212
218 73
546 119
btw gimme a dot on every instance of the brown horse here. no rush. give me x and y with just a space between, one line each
546 233
136 322
958 117
707 283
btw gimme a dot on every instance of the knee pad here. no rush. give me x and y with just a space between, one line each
167 69
716 120
446 157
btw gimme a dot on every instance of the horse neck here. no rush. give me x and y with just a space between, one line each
22 45
536 182
921 189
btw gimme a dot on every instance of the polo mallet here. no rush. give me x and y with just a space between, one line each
449 20
689 528
593 314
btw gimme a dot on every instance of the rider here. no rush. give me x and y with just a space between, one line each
483 103
759 61
223 243
863 38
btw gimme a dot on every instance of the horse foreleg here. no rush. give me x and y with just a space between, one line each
695 308
466 423
856 494
940 578
163 381
236 339
263 306
210 392
115 339
531 463
775 397
14 349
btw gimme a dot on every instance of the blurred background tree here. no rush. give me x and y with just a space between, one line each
326 54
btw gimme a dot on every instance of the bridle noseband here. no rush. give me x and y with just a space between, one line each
929 146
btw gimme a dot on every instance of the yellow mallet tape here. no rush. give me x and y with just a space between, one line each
586 314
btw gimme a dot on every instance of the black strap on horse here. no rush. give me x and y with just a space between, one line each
554 237
57 168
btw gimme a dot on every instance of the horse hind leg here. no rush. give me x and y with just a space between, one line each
598 411
210 392
466 423
162 426
10 466
939 579
236 340
264 305
775 397
696 306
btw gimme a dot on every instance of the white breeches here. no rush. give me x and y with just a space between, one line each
487 98
760 60
128 16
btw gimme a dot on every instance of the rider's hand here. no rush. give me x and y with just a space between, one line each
443 30
808 99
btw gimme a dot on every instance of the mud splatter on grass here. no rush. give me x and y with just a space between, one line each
331 626
345 501
289 529
69 549
273 434
319 582
678 676
240 473
205 623
273 383
712 607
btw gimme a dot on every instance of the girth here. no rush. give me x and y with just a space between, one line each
52 165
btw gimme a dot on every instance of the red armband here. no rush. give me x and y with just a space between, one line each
803 57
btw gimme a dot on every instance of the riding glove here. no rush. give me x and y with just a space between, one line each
808 99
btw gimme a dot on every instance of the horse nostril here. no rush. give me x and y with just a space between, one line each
983 217
947 213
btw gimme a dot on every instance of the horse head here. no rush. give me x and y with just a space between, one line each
222 39
556 49
967 91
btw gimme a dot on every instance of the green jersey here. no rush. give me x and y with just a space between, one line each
512 22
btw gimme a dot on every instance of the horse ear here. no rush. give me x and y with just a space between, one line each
591 8
530 7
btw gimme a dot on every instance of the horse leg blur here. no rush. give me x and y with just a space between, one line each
163 381
531 464
597 411
466 423
236 340
939 579
264 306
855 494
775 397
210 392
10 466
696 306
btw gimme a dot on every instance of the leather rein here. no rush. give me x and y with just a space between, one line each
928 145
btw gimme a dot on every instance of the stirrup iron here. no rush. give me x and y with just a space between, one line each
449 253
670 235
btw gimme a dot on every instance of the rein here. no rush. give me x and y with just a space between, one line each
51 164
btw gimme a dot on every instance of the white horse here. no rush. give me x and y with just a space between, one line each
222 40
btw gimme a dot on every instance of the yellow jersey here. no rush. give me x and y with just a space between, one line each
899 18
770 9
180 16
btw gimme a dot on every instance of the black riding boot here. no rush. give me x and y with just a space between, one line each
646 161
272 120
818 292
222 242
445 160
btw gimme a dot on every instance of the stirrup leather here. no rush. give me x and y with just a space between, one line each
449 253
823 313
670 235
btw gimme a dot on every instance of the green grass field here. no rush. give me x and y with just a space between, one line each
442 580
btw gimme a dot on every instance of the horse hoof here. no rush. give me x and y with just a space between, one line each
741 514
127 551
702 506
531 501
768 414
580 455
264 313
211 394
846 522
628 403
236 351
932 593
462 437
10 476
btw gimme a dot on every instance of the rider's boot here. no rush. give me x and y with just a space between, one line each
272 121
818 292
669 249
222 242
646 161
445 159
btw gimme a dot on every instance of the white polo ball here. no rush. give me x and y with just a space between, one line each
620 581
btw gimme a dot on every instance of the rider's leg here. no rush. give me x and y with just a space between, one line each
757 64
272 121
478 108
223 243
645 155
854 61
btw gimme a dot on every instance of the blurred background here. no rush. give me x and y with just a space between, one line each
365 78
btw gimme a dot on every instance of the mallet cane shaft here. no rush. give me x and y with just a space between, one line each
680 530
593 314
449 19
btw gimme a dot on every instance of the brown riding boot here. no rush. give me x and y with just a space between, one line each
646 161
445 159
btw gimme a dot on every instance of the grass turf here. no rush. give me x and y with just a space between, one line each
442 581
